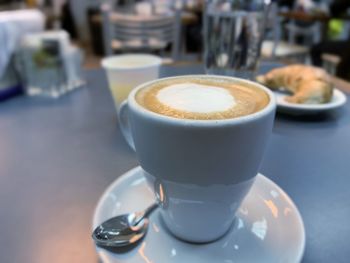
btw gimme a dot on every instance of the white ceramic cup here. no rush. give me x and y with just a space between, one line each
200 170
125 72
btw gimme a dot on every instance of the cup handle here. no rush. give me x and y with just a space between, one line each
124 124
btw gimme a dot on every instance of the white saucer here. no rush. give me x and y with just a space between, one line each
268 228
338 100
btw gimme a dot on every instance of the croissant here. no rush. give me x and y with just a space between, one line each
308 85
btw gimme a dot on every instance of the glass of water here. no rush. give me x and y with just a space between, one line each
233 33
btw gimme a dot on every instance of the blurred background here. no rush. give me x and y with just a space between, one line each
303 31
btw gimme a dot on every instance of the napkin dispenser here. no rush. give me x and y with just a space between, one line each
49 64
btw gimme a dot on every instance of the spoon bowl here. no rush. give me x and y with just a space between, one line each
123 230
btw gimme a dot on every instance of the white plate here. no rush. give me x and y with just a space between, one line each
338 100
268 227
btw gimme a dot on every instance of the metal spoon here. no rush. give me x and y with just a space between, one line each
123 230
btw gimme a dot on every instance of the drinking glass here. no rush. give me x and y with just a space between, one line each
233 33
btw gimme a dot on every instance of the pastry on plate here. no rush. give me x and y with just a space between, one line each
307 84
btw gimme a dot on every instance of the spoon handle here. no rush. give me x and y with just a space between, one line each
146 213
150 209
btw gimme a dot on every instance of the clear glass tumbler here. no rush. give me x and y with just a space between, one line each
233 33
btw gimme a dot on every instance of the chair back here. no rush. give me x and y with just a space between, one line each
139 32
309 31
274 47
273 27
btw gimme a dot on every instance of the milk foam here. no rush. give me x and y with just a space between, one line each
196 98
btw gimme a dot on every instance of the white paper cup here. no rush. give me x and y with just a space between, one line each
125 72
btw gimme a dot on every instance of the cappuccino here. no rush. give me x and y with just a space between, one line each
202 98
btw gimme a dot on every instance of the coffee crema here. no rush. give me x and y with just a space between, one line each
202 98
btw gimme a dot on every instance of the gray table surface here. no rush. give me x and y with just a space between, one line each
57 158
